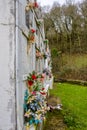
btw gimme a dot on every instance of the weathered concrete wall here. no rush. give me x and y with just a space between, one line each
25 59
17 59
7 65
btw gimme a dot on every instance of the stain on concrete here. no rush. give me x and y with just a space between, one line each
10 103
12 9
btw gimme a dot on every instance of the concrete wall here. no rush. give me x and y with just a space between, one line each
7 65
25 57
17 59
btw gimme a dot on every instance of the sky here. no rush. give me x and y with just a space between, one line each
50 2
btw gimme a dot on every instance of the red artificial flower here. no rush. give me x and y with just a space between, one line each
30 83
34 77
35 5
33 31
43 93
43 89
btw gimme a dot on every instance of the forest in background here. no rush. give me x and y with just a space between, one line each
66 30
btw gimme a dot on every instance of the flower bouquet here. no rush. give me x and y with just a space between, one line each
34 81
39 54
35 108
31 81
35 5
35 105
31 5
31 36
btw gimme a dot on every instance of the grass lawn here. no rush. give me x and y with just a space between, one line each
74 100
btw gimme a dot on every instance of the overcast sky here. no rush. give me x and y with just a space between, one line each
50 2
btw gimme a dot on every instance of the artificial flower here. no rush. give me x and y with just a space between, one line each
43 89
32 38
36 5
27 126
33 93
27 114
30 83
33 31
42 80
43 93
34 77
35 106
43 75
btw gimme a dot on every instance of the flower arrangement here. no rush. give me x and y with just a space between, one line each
31 5
35 5
42 77
31 36
35 105
48 73
33 31
35 108
39 54
34 81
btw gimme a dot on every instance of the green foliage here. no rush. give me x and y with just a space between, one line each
54 52
66 27
74 100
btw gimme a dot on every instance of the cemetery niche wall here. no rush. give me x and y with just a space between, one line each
25 66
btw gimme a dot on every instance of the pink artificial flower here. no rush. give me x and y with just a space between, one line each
43 75
42 79
33 93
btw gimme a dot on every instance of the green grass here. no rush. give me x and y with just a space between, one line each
72 66
76 60
74 100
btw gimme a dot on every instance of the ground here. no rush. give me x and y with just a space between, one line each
74 113
56 118
55 122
